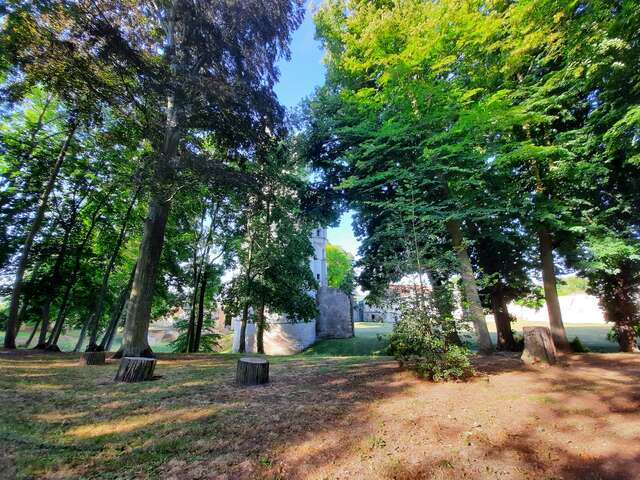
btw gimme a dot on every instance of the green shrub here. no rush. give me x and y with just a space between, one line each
421 339
578 347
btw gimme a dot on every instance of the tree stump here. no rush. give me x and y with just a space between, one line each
135 369
93 358
538 346
252 371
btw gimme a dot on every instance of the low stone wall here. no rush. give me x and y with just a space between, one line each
279 338
334 319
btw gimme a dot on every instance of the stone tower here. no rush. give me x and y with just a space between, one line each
319 259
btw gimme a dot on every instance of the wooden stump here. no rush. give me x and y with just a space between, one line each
252 371
93 358
538 346
135 369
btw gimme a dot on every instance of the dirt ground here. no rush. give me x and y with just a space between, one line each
327 418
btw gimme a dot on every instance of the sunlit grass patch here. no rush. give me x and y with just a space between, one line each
134 422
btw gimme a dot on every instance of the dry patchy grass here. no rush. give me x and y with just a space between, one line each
320 418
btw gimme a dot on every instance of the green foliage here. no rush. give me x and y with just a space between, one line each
578 347
209 340
572 285
534 299
339 267
522 118
422 339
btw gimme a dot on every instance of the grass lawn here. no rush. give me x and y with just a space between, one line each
323 416
340 409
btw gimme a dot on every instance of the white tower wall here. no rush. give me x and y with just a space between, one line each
319 259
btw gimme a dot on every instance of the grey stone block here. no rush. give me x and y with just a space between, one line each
334 319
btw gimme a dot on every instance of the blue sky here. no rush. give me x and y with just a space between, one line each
298 79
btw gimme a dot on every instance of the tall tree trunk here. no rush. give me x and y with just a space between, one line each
33 333
200 322
506 342
42 340
23 259
136 329
107 273
476 313
109 333
191 331
261 327
627 339
83 334
243 329
135 342
549 281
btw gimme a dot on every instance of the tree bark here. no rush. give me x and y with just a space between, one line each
620 308
627 338
109 333
538 346
191 331
243 329
476 313
80 341
105 278
200 322
252 371
42 339
33 333
135 341
506 342
136 329
549 281
93 358
112 333
23 259
135 369
260 329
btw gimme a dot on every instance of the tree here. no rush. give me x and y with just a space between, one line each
339 266
274 249
406 130
184 67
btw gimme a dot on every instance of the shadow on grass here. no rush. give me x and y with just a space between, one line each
319 417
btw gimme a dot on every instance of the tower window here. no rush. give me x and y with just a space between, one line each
318 276
318 232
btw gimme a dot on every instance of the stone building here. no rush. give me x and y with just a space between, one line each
334 320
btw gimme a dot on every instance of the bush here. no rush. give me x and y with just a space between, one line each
422 340
578 347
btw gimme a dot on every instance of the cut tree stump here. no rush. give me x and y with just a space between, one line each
252 371
538 346
93 358
135 369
